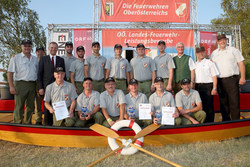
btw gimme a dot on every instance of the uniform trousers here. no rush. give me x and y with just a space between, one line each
176 87
99 85
25 96
199 116
79 87
38 107
121 84
229 95
145 87
48 117
97 118
165 82
204 90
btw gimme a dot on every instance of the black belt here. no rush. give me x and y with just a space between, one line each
204 83
233 76
26 81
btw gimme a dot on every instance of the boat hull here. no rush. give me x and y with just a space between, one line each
84 137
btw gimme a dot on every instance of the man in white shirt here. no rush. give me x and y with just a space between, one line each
206 82
230 64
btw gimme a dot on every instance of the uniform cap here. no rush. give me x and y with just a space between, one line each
95 43
161 42
59 69
80 48
26 41
87 78
221 36
158 79
140 45
118 46
133 81
69 43
109 79
185 81
198 49
39 48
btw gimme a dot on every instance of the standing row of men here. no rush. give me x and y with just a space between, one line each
203 74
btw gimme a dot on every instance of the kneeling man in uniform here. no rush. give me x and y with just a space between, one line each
189 104
61 90
112 103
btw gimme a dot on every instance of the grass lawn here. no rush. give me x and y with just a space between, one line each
233 152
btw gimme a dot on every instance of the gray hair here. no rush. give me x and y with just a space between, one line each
180 43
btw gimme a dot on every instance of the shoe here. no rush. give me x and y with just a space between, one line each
39 123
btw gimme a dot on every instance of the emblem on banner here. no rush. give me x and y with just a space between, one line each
109 8
181 9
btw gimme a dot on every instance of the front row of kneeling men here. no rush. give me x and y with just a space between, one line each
114 104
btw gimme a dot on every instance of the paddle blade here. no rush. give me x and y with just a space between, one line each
146 131
105 156
104 131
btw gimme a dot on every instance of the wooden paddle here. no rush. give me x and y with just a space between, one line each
105 156
110 133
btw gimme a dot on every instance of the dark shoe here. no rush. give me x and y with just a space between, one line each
39 123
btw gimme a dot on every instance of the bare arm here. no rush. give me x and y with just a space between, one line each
152 88
182 111
214 90
192 79
122 111
170 79
106 115
49 107
11 84
72 108
127 76
86 70
72 79
242 67
107 73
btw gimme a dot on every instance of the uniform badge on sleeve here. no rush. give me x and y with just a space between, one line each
66 97
145 65
123 67
162 65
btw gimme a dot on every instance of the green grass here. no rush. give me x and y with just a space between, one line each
233 152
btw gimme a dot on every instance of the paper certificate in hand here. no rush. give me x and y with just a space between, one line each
61 110
144 111
167 116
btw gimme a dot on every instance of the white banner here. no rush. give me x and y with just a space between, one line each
60 38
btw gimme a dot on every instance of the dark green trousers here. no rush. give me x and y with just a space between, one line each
25 97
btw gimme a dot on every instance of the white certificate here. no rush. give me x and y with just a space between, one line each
167 115
144 111
61 110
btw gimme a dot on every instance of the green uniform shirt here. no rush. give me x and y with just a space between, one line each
187 102
96 66
118 67
24 69
77 67
89 102
111 103
55 93
142 68
163 63
134 102
68 61
157 102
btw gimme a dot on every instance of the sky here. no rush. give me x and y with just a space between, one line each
81 11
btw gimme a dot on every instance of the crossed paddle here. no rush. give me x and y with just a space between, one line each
110 133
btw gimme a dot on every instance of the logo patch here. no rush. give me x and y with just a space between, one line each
66 97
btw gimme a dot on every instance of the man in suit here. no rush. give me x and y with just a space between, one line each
47 64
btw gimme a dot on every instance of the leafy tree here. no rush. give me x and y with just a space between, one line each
18 22
237 12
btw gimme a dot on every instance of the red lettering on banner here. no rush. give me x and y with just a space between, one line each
145 11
